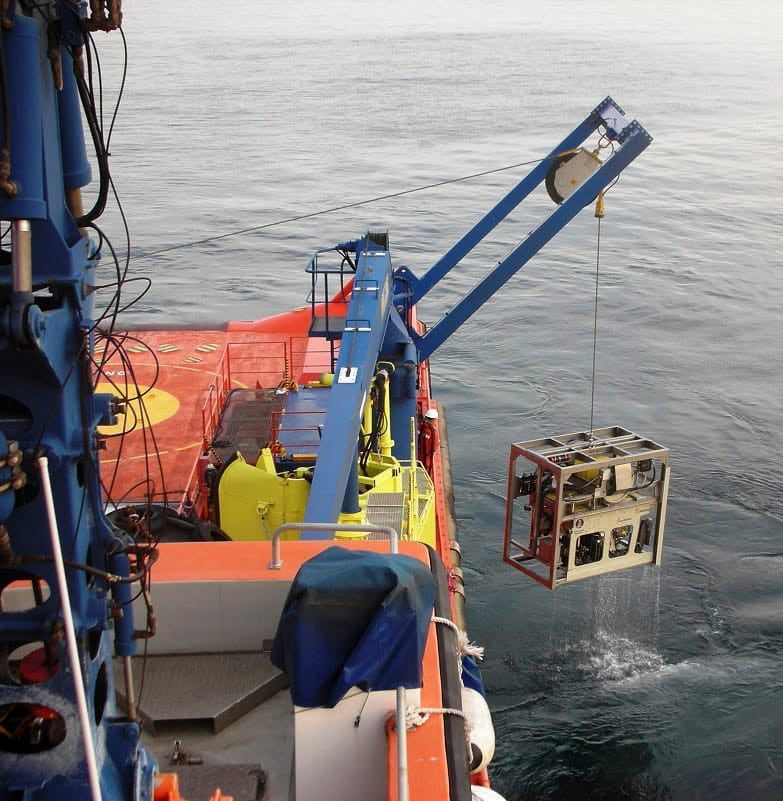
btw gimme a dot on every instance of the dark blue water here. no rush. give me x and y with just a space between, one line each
647 685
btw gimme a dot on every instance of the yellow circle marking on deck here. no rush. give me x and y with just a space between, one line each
159 405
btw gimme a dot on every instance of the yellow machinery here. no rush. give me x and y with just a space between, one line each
253 500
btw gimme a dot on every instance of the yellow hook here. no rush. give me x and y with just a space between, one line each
599 205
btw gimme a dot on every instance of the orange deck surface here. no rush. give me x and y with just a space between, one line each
249 561
153 450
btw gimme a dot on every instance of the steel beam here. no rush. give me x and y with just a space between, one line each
365 325
636 140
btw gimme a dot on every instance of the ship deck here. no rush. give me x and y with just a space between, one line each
251 754
176 383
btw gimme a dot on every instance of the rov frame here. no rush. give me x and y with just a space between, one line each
594 503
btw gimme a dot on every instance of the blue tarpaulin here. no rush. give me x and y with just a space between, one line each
354 618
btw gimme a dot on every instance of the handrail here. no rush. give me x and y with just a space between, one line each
277 562
403 788
70 630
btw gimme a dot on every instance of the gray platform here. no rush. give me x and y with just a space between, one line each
215 689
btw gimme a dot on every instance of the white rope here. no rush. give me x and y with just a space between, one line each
464 646
416 716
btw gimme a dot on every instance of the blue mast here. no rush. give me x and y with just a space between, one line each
56 675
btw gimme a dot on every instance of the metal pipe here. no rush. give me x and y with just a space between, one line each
277 562
351 498
75 204
22 258
130 692
70 630
403 793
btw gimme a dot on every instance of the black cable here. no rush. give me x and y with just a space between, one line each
112 578
142 416
101 154
148 433
121 91
93 115
354 205
120 271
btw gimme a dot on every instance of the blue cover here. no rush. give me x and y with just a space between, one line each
354 618
471 675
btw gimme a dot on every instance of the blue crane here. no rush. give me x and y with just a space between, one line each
586 177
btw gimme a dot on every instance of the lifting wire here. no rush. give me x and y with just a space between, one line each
599 213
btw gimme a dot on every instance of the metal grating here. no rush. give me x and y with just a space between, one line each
213 688
246 423
385 509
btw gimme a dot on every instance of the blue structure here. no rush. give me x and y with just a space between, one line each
48 409
376 317
611 119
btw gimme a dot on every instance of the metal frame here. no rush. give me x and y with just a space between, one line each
46 333
630 139
570 496
372 307
365 324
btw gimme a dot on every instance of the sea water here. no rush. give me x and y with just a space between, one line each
651 684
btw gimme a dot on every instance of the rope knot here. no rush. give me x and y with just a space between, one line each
415 717
464 646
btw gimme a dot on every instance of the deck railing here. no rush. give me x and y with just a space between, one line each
255 364
246 365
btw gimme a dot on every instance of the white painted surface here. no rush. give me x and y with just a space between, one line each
338 761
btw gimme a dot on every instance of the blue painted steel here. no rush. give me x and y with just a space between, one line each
636 140
47 405
365 324
25 99
604 113
6 475
76 167
399 349
351 498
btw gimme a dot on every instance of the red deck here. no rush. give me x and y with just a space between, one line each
192 372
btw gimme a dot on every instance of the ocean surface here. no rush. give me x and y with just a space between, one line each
655 684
